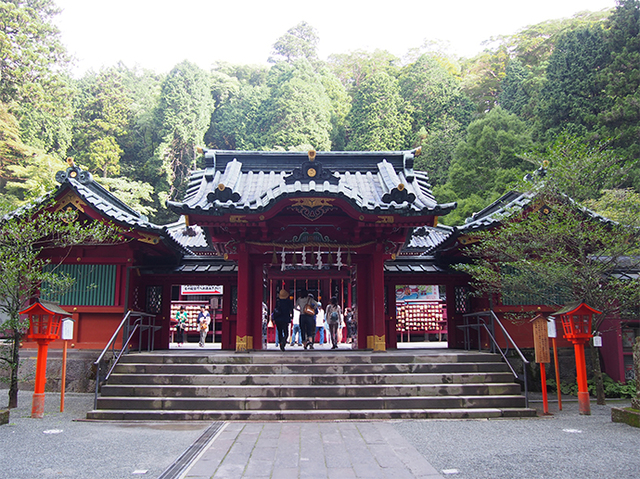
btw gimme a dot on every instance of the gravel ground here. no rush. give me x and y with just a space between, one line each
565 445
63 446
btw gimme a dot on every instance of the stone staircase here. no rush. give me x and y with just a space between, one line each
309 385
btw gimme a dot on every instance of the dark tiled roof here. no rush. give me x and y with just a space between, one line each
251 182
192 238
427 239
423 264
493 214
112 208
103 201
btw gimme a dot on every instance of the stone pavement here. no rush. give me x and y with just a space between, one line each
284 450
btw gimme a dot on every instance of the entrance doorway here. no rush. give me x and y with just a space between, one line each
192 300
323 285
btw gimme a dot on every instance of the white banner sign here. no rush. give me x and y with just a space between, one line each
200 289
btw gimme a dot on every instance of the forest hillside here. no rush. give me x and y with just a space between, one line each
564 88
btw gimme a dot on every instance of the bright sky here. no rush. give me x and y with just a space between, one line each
158 34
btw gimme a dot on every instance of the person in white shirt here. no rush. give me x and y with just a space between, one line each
203 324
296 327
320 323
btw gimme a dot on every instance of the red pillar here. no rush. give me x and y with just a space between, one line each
37 405
244 342
377 289
584 407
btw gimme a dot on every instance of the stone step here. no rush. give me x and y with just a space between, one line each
307 357
305 385
352 391
313 415
309 404
308 369
310 380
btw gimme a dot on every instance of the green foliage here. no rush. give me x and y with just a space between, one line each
135 194
555 247
297 114
300 42
489 159
581 169
355 67
24 236
25 172
31 53
621 205
620 119
572 95
184 111
378 119
612 389
514 96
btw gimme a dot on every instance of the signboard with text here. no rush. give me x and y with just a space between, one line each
201 289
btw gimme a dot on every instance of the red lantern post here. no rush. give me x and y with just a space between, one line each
44 326
577 319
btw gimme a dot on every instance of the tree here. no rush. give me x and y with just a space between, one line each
297 113
355 67
32 56
184 112
572 96
621 118
557 251
514 96
488 160
439 111
104 116
25 273
378 119
300 42
25 172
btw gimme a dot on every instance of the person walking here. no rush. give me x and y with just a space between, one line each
296 327
282 315
307 306
181 318
204 318
320 325
334 317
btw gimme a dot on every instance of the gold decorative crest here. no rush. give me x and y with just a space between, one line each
312 208
238 219
71 199
385 219
149 238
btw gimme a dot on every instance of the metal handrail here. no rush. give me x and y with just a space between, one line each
495 346
131 328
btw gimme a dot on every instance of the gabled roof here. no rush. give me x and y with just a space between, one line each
252 182
494 214
427 239
105 203
82 183
512 201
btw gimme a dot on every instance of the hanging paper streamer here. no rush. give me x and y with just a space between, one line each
319 258
339 263
304 256
283 257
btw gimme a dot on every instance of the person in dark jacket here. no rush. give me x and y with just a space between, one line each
282 315
308 309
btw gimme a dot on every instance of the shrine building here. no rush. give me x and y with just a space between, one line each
361 226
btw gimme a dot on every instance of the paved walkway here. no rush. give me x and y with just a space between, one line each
340 450
563 446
